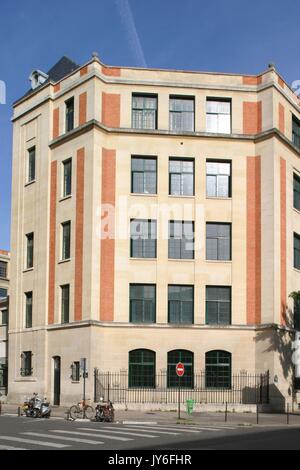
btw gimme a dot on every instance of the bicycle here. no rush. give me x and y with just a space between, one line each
81 410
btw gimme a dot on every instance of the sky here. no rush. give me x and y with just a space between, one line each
221 35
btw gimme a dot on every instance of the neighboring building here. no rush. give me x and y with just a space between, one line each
4 307
174 152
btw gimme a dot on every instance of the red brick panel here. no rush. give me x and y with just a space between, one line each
283 288
79 235
82 108
52 243
250 80
55 123
111 109
84 71
281 82
281 118
253 240
107 269
111 71
252 117
56 87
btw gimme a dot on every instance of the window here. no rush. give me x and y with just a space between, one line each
3 374
144 111
143 175
187 358
31 165
4 320
28 310
142 303
181 240
65 303
181 304
26 363
141 368
218 369
3 269
218 116
182 114
181 177
218 305
296 132
66 240
69 114
297 315
75 375
143 238
218 241
67 175
296 192
296 251
29 254
3 293
218 178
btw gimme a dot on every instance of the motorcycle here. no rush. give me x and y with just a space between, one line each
105 411
35 407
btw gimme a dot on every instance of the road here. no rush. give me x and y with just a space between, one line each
58 434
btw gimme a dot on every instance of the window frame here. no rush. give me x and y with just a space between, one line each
219 100
143 241
187 380
29 178
144 172
218 301
190 98
181 286
64 225
64 319
219 238
68 102
296 250
131 300
181 160
29 250
75 371
4 317
213 381
143 364
2 289
133 110
213 160
26 364
182 240
28 309
66 162
296 135
3 264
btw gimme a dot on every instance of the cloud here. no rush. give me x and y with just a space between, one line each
127 19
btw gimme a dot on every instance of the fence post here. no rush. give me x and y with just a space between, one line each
257 413
108 388
268 387
0 407
95 385
287 413
226 411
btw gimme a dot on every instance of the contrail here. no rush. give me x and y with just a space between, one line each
127 19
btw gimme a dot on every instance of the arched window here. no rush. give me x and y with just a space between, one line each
218 369
142 368
187 358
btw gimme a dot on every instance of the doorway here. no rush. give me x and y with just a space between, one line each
56 380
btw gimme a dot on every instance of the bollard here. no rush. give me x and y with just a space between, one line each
68 415
19 411
0 408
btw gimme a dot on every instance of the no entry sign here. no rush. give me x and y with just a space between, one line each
180 369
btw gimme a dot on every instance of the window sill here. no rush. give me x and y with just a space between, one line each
30 378
181 196
4 279
296 270
62 261
219 198
29 183
144 194
143 259
75 382
182 259
28 270
227 261
65 198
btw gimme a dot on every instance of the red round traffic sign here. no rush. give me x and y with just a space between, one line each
180 369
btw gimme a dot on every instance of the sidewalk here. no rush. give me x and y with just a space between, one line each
171 417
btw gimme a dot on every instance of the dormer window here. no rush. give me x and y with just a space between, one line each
37 78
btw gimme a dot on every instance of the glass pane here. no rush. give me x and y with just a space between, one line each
224 123
150 183
187 312
224 249
174 311
175 166
212 106
187 185
3 269
138 183
211 312
211 249
175 188
137 164
211 186
223 186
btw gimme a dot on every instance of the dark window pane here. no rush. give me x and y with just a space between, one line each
182 114
3 269
181 174
296 132
3 293
143 175
181 240
297 192
187 358
218 305
141 368
142 303
181 304
218 241
69 114
65 303
26 363
4 320
31 165
30 243
28 310
218 369
143 238
296 251
66 240
144 112
67 183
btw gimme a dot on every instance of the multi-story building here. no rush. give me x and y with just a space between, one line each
4 307
155 219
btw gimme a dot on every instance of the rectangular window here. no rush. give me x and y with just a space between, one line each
181 240
296 192
69 114
26 363
75 371
3 293
218 305
218 116
296 132
296 251
31 165
218 241
143 238
142 303
3 269
29 250
297 315
66 240
181 304
4 319
218 178
28 310
67 177
181 177
144 111
65 303
182 114
143 175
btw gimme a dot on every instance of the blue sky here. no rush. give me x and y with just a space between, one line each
229 36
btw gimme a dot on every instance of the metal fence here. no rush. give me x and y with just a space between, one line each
245 389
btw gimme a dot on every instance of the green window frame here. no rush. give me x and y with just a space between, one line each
182 113
296 131
181 177
181 239
66 240
69 105
141 371
187 358
144 111
181 304
31 164
218 241
296 251
142 303
3 269
218 305
65 303
143 238
29 250
67 177
218 369
296 190
143 175
28 309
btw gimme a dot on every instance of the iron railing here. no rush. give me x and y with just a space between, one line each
244 388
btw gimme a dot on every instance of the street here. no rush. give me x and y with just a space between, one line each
20 433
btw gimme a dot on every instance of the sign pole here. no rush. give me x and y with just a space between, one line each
179 396
84 376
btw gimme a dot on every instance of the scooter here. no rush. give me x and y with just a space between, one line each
105 411
36 408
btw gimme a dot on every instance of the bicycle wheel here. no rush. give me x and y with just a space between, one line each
89 412
75 412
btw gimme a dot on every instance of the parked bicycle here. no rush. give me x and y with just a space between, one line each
81 410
